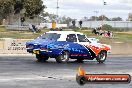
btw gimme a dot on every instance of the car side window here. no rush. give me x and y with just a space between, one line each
71 38
82 38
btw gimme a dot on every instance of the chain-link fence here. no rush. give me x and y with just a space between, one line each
116 24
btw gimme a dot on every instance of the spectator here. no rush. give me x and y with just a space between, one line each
61 29
109 33
80 23
32 28
95 31
74 23
101 32
105 34
22 21
99 28
4 21
38 28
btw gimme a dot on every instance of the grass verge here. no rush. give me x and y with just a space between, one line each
118 36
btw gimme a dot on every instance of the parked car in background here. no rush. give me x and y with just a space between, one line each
65 45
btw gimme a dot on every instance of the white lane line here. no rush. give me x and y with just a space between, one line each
21 79
7 79
30 55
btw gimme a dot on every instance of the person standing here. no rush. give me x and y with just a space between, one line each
74 23
22 21
80 23
4 21
108 33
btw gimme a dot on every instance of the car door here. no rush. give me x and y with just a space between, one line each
84 43
73 45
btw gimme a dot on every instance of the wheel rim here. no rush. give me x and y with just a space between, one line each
102 56
64 57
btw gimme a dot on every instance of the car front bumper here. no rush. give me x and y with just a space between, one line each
30 50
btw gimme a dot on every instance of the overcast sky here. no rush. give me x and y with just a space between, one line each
86 8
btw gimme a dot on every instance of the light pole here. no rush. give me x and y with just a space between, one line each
57 8
104 3
96 12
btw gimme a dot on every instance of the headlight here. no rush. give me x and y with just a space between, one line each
29 47
43 49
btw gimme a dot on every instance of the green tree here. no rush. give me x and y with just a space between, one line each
18 6
130 17
85 19
33 7
116 19
52 17
93 18
107 27
103 17
5 9
65 20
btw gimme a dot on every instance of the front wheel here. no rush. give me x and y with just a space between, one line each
64 57
101 56
42 58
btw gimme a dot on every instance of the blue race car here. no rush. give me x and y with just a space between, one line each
65 45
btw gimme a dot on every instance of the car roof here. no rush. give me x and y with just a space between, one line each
65 32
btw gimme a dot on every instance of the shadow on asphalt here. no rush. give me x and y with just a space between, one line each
70 64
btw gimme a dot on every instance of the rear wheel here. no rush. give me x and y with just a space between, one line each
64 57
42 58
101 56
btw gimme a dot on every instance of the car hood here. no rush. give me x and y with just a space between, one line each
108 47
40 41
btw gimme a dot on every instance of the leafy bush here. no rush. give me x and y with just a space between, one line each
85 28
107 27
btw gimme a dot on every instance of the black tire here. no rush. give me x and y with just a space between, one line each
64 57
101 56
41 58
81 80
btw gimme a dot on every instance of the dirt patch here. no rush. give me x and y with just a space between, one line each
121 48
130 32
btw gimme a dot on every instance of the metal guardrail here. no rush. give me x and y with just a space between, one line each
89 24
16 27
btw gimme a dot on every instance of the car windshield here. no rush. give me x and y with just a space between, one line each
54 36
82 38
